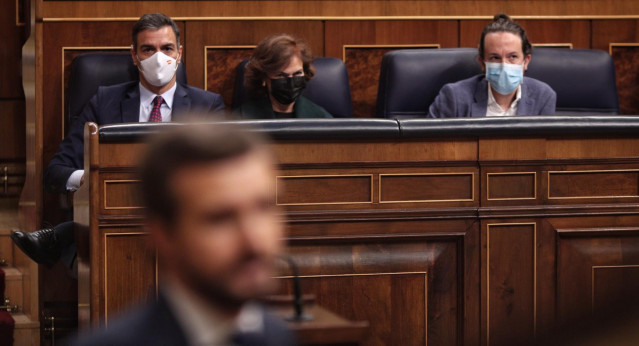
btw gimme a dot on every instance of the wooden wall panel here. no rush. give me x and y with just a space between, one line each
130 270
601 281
605 32
12 130
332 8
236 34
509 281
221 62
408 291
375 38
576 32
626 58
605 35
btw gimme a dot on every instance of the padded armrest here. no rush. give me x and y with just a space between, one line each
520 126
315 129
344 129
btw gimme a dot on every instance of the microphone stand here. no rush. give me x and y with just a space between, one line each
298 303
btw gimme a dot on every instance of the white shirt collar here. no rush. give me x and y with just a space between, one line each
494 109
203 324
147 96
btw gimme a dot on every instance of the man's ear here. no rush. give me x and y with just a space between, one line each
481 63
527 61
134 56
179 60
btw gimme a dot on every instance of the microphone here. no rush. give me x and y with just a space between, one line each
298 302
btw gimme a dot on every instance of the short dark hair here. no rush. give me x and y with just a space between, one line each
185 145
502 23
153 21
273 54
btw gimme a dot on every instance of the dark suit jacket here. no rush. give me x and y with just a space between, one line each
469 98
260 107
117 104
155 324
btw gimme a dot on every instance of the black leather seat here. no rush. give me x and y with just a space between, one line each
329 88
410 79
584 79
92 70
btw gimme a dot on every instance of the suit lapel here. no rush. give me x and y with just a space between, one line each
181 102
526 103
480 105
130 106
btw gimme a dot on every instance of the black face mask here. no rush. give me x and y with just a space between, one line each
287 90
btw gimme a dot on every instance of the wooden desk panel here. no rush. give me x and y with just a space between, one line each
450 241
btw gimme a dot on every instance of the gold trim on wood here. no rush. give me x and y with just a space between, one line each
589 171
534 224
18 5
592 284
514 198
62 72
324 176
379 274
111 181
613 44
554 45
330 18
364 46
219 47
472 199
106 279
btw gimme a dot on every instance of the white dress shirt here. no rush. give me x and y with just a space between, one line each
205 326
495 110
146 106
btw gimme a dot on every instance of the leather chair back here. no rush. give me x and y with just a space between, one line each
329 88
584 79
92 70
410 79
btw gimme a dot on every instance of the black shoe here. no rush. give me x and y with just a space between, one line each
41 246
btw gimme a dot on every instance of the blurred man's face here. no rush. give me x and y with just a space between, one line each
227 230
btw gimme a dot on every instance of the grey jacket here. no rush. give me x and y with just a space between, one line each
469 98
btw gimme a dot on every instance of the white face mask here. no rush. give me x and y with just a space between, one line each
158 69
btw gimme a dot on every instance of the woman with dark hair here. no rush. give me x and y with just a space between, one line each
275 77
504 54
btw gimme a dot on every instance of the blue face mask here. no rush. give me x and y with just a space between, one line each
503 77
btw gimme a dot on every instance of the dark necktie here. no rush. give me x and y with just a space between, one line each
156 115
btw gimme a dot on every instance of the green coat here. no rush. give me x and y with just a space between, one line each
260 108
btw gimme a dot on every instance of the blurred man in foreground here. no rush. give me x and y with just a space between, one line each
211 214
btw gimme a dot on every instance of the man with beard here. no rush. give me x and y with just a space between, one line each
211 215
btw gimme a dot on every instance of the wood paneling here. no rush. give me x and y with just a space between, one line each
511 185
626 58
407 290
605 32
12 130
510 282
431 187
576 32
338 189
238 33
376 38
344 8
221 67
596 270
593 184
129 270
12 36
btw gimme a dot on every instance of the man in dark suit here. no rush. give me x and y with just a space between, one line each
157 97
212 218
